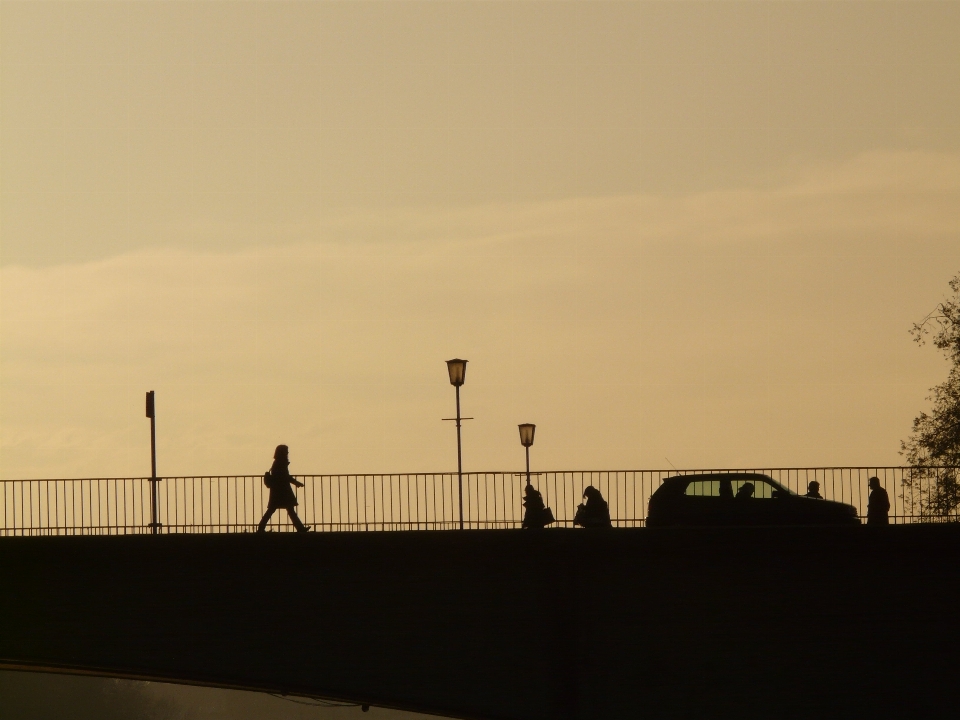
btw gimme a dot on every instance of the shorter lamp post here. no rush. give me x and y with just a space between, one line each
527 431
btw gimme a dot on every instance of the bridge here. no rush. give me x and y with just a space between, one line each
563 623
405 501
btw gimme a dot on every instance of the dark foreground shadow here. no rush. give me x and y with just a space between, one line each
795 622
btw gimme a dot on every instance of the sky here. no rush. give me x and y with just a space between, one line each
690 234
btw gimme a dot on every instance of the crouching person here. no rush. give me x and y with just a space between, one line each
593 513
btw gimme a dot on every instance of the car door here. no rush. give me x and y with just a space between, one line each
759 502
702 503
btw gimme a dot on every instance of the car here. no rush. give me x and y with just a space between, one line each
739 499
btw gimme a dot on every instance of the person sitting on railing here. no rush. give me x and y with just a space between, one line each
279 479
878 504
536 515
594 513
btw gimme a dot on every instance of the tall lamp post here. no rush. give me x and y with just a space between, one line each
527 431
457 370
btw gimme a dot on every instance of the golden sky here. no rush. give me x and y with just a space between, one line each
687 233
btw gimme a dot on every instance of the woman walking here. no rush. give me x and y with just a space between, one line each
279 479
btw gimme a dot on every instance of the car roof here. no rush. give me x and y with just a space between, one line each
675 482
717 476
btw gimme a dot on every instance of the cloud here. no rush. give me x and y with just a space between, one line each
628 326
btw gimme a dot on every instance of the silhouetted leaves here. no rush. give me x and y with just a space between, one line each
933 447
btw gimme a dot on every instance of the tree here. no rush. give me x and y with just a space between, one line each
933 448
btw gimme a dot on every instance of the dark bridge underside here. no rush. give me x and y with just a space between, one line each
795 622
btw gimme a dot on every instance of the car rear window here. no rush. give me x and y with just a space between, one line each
703 488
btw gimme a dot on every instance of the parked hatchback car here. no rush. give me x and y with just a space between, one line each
740 499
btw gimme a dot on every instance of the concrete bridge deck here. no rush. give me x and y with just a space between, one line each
750 622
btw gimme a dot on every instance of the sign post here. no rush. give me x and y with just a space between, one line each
152 414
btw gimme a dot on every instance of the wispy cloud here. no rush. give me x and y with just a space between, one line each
630 327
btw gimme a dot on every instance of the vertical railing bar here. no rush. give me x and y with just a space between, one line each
330 482
180 491
349 509
416 500
322 513
339 519
391 497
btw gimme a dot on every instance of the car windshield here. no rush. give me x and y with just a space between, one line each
761 488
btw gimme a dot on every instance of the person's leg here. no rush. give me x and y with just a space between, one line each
295 520
262 527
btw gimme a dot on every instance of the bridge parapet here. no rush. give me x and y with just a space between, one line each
402 501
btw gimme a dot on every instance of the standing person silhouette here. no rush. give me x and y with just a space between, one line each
279 479
878 504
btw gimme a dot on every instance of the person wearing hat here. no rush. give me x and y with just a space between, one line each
878 504
279 479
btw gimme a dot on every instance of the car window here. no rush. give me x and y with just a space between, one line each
703 488
761 488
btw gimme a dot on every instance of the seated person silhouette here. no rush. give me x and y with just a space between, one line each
535 515
594 513
813 490
279 479
745 491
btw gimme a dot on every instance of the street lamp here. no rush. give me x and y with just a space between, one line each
527 431
457 370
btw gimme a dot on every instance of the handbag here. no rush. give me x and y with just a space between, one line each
548 516
268 480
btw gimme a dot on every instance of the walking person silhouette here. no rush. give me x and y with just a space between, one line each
536 515
279 479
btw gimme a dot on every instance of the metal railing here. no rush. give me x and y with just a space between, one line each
414 501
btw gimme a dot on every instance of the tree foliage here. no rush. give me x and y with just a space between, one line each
933 448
